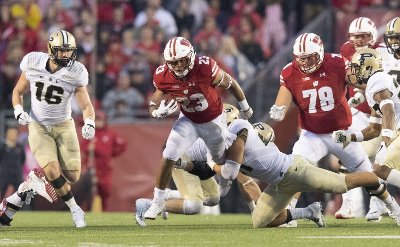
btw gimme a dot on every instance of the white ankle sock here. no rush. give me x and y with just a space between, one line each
251 205
71 203
394 178
15 199
388 199
172 194
300 213
159 194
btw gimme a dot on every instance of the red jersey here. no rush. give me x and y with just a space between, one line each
199 100
347 51
320 96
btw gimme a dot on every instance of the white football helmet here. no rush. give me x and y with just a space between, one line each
265 132
364 63
365 27
308 45
176 49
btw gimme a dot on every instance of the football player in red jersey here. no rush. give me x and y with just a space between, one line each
362 34
315 82
193 81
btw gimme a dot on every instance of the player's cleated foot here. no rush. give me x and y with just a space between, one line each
316 216
346 211
155 209
224 186
142 205
394 211
36 182
377 208
78 216
4 219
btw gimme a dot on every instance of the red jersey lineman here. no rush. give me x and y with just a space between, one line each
193 80
315 82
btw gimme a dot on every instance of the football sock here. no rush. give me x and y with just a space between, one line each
394 178
251 205
300 213
15 199
71 203
159 194
172 194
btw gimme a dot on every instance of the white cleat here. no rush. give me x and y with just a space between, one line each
155 209
346 211
394 209
377 208
79 217
316 216
36 183
224 186
142 205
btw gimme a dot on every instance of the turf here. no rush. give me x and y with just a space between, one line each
119 229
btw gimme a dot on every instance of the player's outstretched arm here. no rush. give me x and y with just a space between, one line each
17 100
282 103
225 80
83 100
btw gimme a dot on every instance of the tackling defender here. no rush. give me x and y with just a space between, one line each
383 96
52 79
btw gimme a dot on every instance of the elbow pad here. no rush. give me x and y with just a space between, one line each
230 170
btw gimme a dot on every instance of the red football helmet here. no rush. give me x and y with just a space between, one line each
308 52
362 33
179 48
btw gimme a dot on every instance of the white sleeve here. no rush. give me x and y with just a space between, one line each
83 79
24 63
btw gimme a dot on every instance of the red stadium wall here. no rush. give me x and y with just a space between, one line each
135 171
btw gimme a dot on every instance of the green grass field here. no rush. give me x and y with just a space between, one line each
120 229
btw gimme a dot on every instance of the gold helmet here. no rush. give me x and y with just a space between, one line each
62 41
392 36
232 113
265 132
364 64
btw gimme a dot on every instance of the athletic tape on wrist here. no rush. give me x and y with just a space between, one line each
376 120
384 102
387 133
359 136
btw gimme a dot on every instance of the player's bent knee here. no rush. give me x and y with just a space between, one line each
191 207
210 201
340 189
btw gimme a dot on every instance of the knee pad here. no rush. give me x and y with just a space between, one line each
376 190
191 207
59 182
210 201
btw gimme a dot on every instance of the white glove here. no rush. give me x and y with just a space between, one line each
180 164
88 129
340 136
164 110
357 99
277 113
381 154
246 114
22 117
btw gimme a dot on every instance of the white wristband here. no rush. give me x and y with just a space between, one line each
384 102
18 109
244 105
359 136
376 120
387 133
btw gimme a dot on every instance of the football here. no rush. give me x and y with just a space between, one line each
166 97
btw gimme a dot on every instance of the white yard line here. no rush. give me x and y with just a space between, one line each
383 237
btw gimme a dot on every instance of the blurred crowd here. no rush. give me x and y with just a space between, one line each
124 46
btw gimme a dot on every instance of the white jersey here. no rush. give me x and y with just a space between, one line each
379 82
390 64
51 93
266 163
